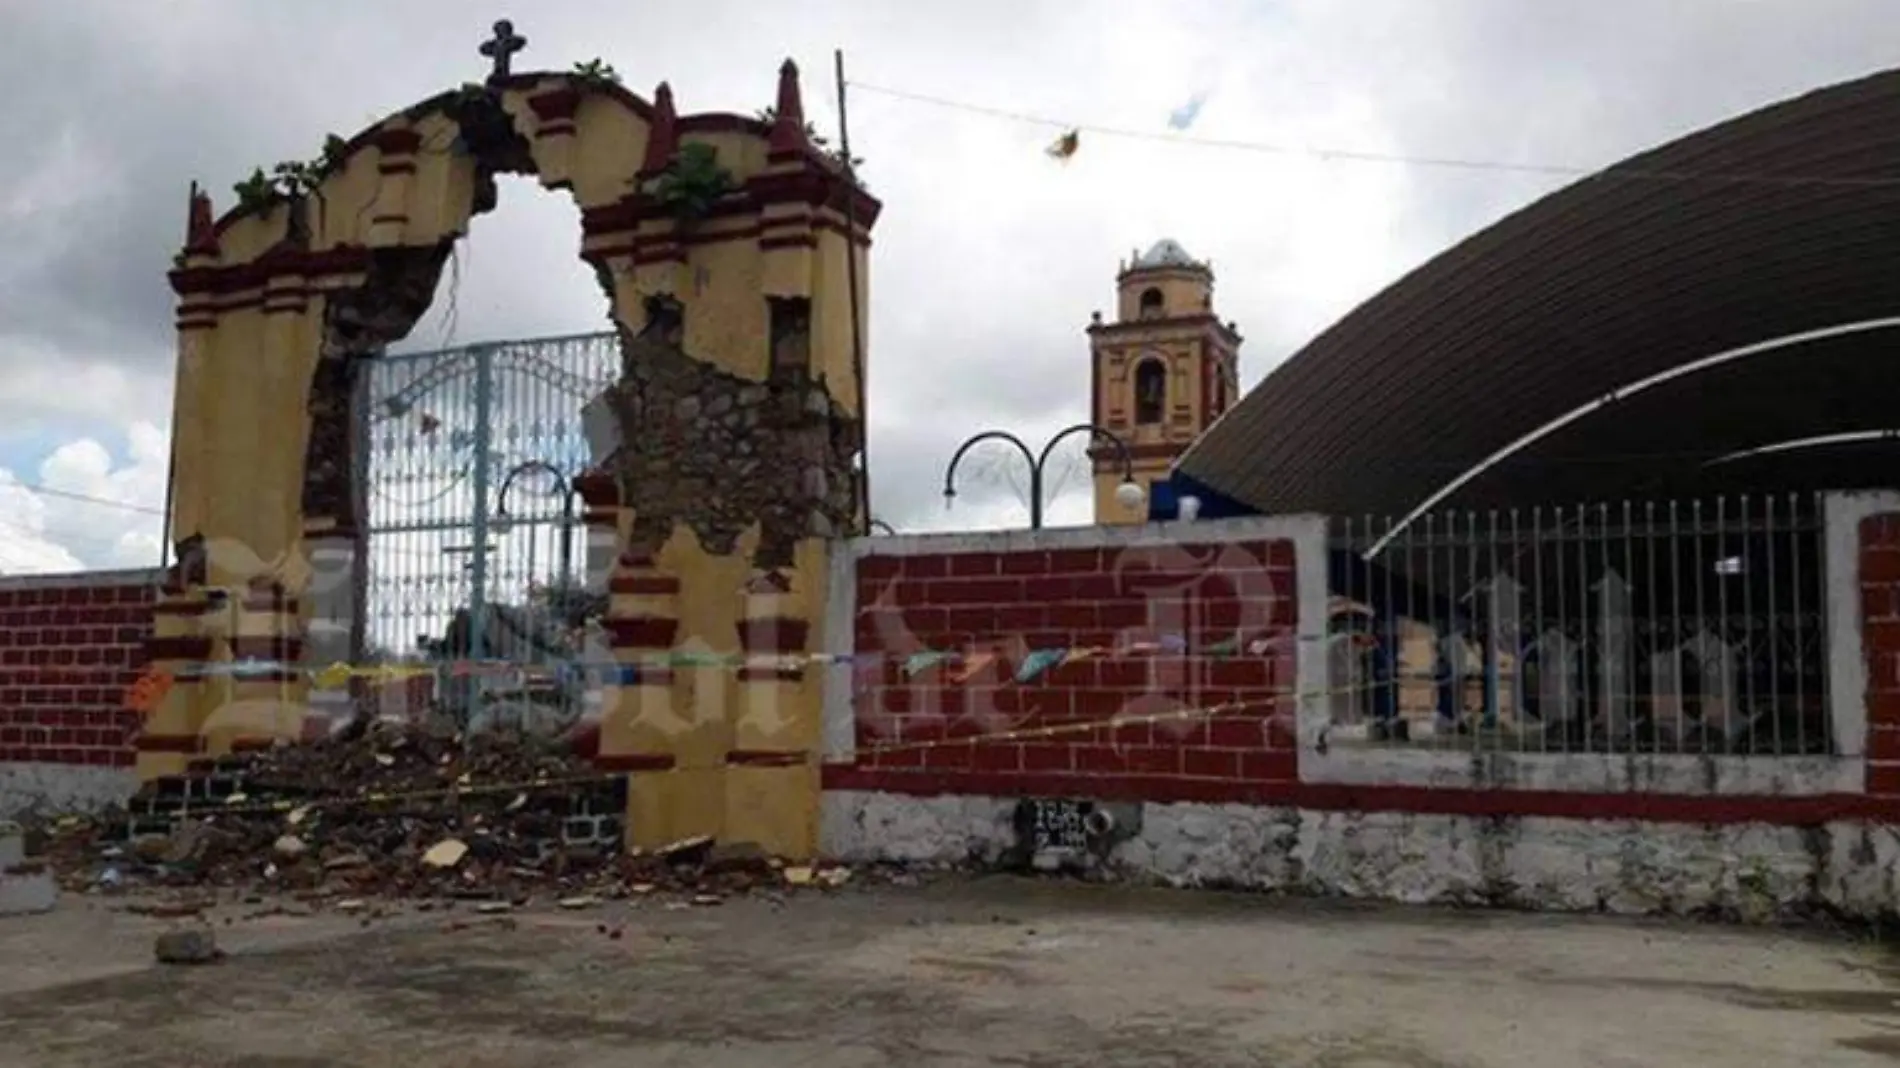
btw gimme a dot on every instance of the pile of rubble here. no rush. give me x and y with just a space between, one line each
400 814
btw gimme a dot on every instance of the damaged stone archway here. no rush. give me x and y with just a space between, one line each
724 244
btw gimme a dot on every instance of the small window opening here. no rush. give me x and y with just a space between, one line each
1151 391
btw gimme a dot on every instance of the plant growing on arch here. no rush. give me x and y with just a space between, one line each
595 74
692 183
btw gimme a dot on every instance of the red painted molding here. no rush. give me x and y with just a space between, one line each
234 278
776 634
169 743
642 632
393 142
771 674
634 761
644 585
556 104
767 758
598 489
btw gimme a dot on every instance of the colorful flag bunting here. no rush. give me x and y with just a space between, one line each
1039 661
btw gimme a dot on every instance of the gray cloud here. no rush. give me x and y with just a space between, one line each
989 258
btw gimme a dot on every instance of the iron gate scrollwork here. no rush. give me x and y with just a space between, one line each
469 460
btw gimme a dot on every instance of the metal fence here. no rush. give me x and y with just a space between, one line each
1664 627
473 531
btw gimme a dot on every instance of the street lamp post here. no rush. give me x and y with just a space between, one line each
565 488
1129 492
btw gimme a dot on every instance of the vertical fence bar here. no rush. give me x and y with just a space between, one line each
1703 639
1555 662
1634 669
478 517
1796 535
1437 626
1818 565
1652 605
1388 695
1730 669
1744 569
1774 629
1588 683
1493 641
1537 645
1679 648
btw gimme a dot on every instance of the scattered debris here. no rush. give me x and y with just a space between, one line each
446 854
729 857
686 850
169 910
393 811
193 945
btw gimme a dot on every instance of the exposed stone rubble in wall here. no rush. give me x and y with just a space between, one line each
357 325
718 452
1747 872
401 283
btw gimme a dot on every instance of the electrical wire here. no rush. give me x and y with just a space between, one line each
84 498
1560 170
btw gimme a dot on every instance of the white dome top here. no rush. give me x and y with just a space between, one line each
1166 252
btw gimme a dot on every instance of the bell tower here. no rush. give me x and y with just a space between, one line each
1162 371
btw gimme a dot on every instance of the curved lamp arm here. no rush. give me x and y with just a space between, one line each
950 472
1095 433
501 495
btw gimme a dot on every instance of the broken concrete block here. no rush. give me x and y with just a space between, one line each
23 894
446 854
195 945
12 844
687 850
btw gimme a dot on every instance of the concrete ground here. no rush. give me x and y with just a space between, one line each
954 975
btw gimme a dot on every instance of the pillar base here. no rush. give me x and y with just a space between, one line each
664 806
774 807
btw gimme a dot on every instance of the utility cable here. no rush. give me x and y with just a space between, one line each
1388 158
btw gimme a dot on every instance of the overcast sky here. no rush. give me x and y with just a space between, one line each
989 256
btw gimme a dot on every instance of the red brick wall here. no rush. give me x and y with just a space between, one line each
1880 641
70 645
1104 725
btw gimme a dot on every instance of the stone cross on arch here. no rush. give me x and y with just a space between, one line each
501 49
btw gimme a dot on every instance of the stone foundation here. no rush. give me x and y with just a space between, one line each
1752 872
55 789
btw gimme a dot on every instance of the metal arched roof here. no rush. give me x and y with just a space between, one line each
1781 221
